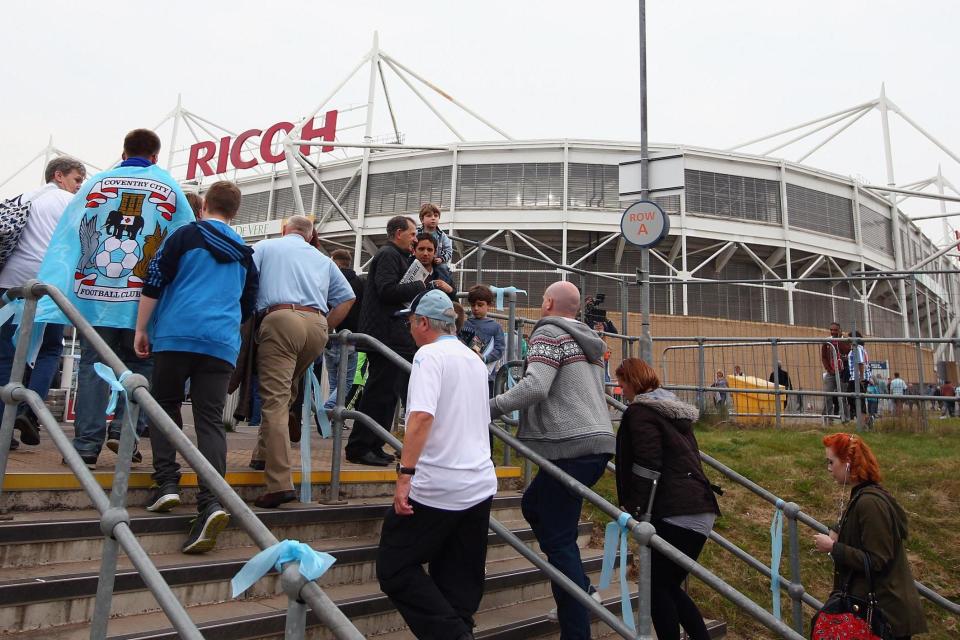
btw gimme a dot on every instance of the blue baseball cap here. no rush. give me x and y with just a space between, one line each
434 304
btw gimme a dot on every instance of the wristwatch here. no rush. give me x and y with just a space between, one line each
407 471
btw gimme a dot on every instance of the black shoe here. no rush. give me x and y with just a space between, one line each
14 444
29 429
89 459
380 453
163 499
258 465
205 528
275 499
370 459
113 443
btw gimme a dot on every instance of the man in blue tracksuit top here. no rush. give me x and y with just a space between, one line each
202 284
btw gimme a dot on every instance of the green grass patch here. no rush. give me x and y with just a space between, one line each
920 469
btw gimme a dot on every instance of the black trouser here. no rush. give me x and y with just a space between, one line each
385 383
852 400
454 545
208 377
670 605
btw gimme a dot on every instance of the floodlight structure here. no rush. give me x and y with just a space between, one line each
49 152
376 58
843 120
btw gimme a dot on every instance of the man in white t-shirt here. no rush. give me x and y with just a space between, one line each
64 175
445 482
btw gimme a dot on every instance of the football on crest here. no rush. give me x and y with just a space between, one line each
116 258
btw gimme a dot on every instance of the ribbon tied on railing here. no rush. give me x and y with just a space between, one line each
499 292
614 531
313 564
116 390
776 551
312 398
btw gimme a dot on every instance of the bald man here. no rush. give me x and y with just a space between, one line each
563 417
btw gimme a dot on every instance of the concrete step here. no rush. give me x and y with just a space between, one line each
509 583
37 598
47 538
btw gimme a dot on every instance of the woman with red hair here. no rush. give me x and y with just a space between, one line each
656 442
872 527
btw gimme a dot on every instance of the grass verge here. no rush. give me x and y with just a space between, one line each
920 469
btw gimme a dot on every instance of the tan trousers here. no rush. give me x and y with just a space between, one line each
288 342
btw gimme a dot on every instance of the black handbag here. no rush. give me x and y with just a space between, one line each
848 617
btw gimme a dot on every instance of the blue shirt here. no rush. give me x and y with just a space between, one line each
293 272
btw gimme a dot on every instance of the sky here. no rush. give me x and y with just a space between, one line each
719 73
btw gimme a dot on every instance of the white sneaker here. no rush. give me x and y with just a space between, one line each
552 614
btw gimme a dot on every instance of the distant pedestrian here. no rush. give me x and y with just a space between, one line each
898 387
333 354
782 378
833 357
949 390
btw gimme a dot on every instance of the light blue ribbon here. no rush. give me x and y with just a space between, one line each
311 399
313 564
776 551
616 530
8 309
500 291
116 389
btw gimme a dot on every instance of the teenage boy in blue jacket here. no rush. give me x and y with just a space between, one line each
201 285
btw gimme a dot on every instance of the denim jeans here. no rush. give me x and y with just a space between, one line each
554 515
40 377
331 357
90 426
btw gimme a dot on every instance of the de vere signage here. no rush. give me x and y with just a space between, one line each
211 158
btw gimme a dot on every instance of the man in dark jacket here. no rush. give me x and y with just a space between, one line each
383 296
331 355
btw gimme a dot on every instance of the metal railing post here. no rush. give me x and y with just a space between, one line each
854 347
343 338
118 498
16 379
511 352
701 376
644 584
480 253
774 355
795 590
624 319
919 352
295 626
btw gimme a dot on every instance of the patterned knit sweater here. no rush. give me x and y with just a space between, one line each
563 412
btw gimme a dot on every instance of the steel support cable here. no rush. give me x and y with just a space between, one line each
324 608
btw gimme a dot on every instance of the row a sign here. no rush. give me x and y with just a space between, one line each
644 224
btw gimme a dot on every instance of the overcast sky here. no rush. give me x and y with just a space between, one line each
719 73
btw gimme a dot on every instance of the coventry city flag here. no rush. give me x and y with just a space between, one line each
108 234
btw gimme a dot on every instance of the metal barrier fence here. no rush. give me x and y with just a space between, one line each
687 366
114 519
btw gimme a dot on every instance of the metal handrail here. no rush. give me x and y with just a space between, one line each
114 518
643 532
794 514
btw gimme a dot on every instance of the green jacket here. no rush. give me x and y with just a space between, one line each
876 525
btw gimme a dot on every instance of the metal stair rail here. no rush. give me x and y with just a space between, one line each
114 519
794 587
643 532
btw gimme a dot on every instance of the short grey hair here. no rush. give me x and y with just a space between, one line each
300 224
63 164
441 326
